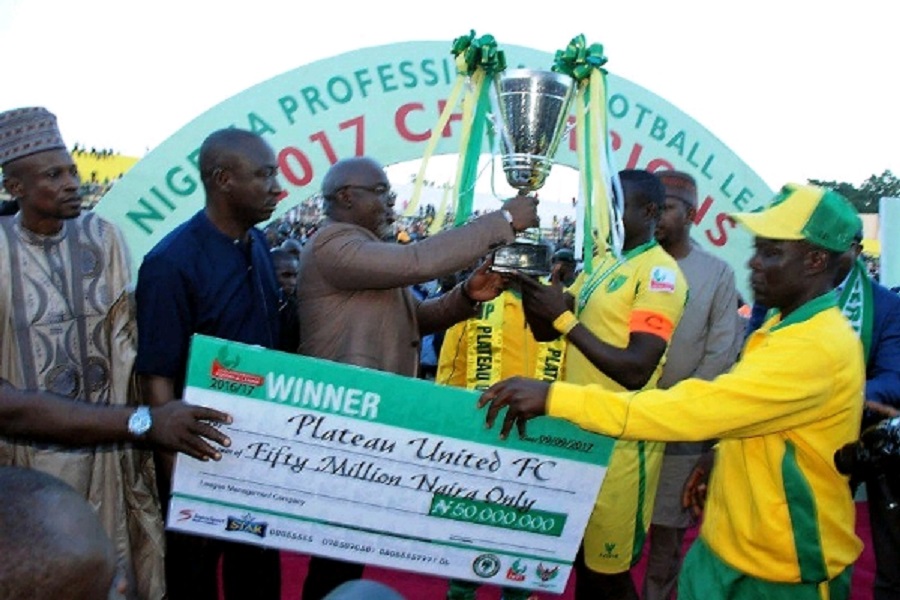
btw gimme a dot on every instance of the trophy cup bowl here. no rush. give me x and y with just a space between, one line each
534 111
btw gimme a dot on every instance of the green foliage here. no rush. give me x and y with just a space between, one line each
865 197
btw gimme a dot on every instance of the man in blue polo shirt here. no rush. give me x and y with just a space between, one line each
212 275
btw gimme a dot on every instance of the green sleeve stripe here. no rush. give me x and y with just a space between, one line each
802 508
640 531
702 566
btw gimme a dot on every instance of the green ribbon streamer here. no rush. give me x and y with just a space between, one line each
578 59
474 54
472 153
479 59
590 181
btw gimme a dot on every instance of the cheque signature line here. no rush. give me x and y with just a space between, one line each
318 494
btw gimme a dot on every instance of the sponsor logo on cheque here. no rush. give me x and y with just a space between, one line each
246 524
486 565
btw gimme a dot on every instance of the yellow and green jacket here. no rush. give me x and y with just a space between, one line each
777 508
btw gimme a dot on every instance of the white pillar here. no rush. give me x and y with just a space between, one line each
889 236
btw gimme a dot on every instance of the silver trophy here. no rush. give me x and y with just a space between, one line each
533 111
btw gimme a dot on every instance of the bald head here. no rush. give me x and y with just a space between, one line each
239 171
357 191
51 541
224 149
348 171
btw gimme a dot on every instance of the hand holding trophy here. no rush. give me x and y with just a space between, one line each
522 211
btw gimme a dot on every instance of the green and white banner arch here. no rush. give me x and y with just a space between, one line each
382 102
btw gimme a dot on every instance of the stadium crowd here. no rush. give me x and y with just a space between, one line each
300 222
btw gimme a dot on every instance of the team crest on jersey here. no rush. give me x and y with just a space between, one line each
616 282
662 279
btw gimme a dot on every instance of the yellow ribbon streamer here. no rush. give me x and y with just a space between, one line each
597 128
441 216
583 170
452 100
477 59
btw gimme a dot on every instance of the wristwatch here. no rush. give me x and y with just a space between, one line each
140 422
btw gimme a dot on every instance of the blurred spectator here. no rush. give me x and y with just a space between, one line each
52 542
287 265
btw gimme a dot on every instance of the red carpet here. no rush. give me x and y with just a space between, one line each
421 587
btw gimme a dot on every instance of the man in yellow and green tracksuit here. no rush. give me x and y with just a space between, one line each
779 517
485 349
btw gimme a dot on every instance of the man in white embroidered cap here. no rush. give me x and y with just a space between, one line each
779 519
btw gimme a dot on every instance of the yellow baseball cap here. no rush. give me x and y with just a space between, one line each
816 214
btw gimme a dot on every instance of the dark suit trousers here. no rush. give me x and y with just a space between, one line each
885 523
192 564
192 569
325 574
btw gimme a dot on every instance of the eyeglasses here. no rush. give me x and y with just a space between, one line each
380 190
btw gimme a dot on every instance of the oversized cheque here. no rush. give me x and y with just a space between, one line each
380 469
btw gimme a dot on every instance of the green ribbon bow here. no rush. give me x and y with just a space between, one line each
578 59
481 52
